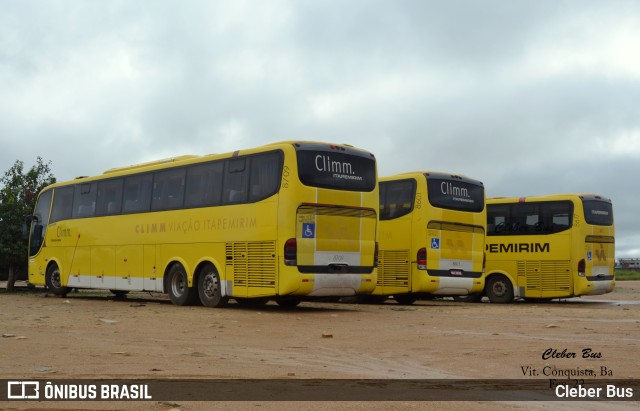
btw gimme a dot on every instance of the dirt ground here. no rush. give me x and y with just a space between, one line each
90 334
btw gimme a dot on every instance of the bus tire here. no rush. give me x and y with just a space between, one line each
499 289
252 302
53 281
288 302
405 299
470 298
365 299
178 286
209 288
119 294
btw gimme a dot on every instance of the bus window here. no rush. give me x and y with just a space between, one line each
84 200
398 198
598 212
109 197
497 217
341 171
168 189
236 178
265 175
39 222
204 185
137 193
556 216
455 195
62 204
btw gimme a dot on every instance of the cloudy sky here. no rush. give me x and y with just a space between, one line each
531 97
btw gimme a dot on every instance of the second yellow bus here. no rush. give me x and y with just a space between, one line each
431 236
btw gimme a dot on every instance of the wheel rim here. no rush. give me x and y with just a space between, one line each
178 285
210 285
55 278
499 288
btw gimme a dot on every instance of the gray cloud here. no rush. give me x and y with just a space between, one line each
530 97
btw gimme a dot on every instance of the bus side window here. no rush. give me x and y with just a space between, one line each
84 200
137 193
383 202
524 218
265 175
204 185
109 200
168 189
399 198
498 219
236 178
62 204
558 216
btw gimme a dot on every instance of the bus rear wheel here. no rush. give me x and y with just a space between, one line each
210 289
119 294
252 302
179 291
500 290
288 302
405 299
53 281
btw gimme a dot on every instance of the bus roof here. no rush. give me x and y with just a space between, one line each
192 159
549 197
430 174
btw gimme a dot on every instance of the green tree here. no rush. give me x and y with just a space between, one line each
18 195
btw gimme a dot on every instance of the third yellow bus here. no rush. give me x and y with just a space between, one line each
546 247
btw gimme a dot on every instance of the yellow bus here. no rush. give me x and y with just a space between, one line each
547 247
289 220
431 236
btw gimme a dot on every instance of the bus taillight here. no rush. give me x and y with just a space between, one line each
291 252
422 259
582 267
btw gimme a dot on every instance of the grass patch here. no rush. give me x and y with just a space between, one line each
627 275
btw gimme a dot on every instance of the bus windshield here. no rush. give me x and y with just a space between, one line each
598 212
325 168
454 194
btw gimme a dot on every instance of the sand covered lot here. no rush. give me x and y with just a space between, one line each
92 335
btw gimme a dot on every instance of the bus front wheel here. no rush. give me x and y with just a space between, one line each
53 281
500 290
179 291
210 289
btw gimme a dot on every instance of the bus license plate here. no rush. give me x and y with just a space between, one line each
456 272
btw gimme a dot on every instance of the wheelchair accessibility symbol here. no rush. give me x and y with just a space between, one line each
435 243
589 256
308 230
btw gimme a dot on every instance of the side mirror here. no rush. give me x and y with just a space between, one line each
29 218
